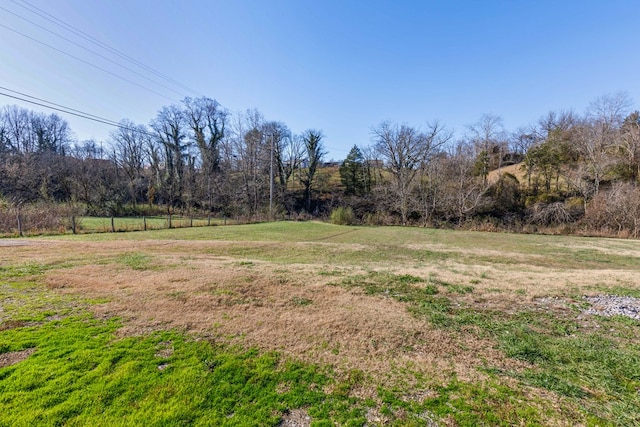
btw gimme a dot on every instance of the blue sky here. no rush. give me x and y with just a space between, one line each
339 66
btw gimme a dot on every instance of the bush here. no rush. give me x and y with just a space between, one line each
615 211
342 215
550 214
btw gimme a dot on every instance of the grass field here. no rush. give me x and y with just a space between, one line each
90 224
298 324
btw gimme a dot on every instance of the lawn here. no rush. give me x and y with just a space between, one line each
316 324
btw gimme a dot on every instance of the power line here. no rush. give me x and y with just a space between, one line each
49 17
53 103
105 121
87 62
71 111
90 50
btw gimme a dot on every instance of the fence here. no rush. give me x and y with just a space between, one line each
39 220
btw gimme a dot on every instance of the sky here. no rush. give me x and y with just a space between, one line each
340 66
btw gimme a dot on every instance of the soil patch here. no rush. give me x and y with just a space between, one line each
13 357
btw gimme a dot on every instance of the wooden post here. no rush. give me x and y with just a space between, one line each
113 226
169 220
190 221
144 222
19 223
209 219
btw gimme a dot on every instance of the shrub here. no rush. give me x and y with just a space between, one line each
616 211
342 215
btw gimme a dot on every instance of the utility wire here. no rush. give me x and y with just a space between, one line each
87 62
43 14
73 112
91 51
53 103
105 121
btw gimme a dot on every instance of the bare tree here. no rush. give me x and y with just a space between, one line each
94 181
489 139
608 111
27 132
600 133
252 154
17 129
129 144
523 139
51 133
286 154
405 150
464 194
555 121
432 186
628 146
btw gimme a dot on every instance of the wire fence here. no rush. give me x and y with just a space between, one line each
51 219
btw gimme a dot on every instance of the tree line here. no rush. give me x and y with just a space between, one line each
567 172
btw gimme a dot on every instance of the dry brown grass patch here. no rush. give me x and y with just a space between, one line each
259 305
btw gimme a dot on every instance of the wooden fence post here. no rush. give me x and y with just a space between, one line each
19 223
113 226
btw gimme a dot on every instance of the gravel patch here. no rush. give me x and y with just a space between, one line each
614 305
296 418
15 242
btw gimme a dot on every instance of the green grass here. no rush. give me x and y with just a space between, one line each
325 243
135 260
599 373
81 374
28 269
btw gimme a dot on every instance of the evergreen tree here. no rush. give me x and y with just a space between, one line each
353 173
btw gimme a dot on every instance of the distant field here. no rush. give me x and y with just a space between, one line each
90 224
298 324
